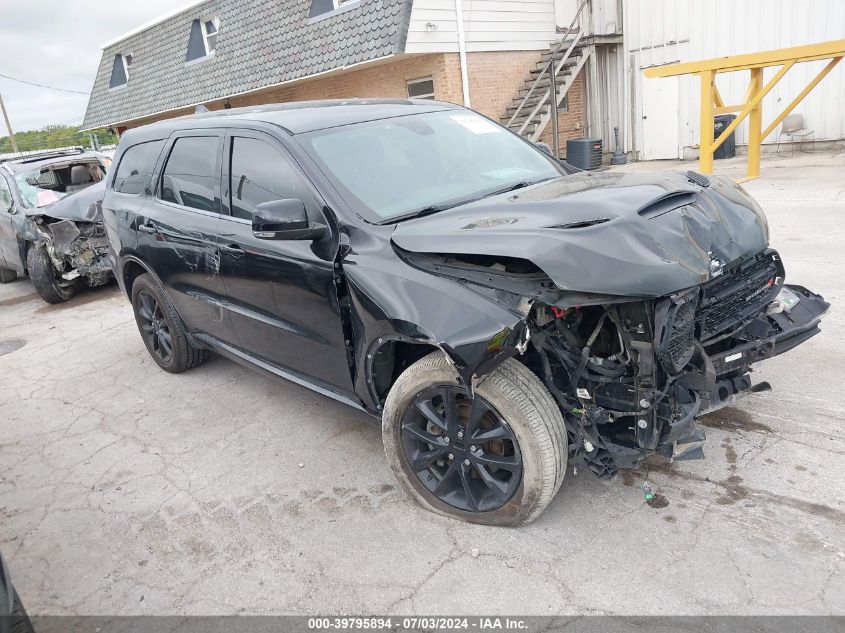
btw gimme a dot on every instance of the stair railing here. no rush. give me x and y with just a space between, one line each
545 72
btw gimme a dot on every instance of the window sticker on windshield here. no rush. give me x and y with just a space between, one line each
507 173
45 197
475 124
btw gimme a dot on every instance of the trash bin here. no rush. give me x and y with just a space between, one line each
728 148
584 153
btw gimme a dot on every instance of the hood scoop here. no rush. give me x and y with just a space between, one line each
666 203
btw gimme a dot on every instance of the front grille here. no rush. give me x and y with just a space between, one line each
737 294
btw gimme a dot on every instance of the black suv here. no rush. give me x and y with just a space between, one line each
500 313
51 225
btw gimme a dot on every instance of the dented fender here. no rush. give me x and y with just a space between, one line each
401 303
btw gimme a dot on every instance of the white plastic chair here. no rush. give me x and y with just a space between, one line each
793 127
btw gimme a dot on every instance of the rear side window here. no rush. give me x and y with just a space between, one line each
260 173
136 167
191 175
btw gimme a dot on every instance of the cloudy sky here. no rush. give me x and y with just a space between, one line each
57 43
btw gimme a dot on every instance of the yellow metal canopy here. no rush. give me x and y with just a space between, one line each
752 104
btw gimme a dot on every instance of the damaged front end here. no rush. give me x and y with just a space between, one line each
645 301
73 234
631 377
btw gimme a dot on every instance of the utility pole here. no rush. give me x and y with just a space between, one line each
8 125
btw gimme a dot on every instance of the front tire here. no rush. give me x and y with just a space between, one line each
161 328
7 276
496 459
44 278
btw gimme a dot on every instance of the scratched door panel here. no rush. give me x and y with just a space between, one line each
178 232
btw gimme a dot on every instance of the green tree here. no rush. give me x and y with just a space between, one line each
53 136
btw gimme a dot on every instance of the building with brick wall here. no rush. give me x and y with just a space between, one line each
483 54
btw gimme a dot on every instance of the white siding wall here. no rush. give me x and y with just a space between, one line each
489 25
665 31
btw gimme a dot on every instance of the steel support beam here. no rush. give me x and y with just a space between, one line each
712 102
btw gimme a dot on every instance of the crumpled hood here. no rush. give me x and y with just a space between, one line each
643 235
83 206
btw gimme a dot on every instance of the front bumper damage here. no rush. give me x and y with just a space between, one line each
631 378
73 233
77 250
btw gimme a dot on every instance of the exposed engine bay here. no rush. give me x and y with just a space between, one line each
76 249
73 234
632 377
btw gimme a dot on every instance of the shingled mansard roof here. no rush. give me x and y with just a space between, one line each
260 43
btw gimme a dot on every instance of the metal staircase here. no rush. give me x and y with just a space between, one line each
532 109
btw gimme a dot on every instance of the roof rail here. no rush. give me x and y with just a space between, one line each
31 157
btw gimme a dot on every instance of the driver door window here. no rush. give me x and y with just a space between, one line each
260 173
5 196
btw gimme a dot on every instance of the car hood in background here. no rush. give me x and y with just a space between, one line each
643 235
82 206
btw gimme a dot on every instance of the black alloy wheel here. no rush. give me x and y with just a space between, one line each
461 449
154 327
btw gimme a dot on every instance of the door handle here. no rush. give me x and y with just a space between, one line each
234 249
148 228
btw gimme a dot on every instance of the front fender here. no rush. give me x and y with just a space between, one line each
400 303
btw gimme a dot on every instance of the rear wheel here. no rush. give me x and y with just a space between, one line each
497 458
44 277
7 275
161 328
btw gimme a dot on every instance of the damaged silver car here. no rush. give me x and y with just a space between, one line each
51 225
500 313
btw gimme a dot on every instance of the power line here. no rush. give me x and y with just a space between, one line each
30 83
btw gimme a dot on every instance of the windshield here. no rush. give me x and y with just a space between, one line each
40 185
422 163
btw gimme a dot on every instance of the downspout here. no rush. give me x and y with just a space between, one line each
462 50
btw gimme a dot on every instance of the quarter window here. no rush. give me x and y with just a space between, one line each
260 173
136 167
190 176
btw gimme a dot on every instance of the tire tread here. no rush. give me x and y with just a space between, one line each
188 355
43 276
536 406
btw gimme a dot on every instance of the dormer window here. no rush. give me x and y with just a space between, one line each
120 71
321 8
209 32
203 41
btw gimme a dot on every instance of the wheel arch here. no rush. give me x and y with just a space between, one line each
132 268
388 358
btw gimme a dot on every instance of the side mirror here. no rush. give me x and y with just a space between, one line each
285 220
545 147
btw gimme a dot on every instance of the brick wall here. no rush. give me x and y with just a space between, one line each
495 78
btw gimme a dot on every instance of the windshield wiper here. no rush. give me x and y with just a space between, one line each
420 213
521 184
